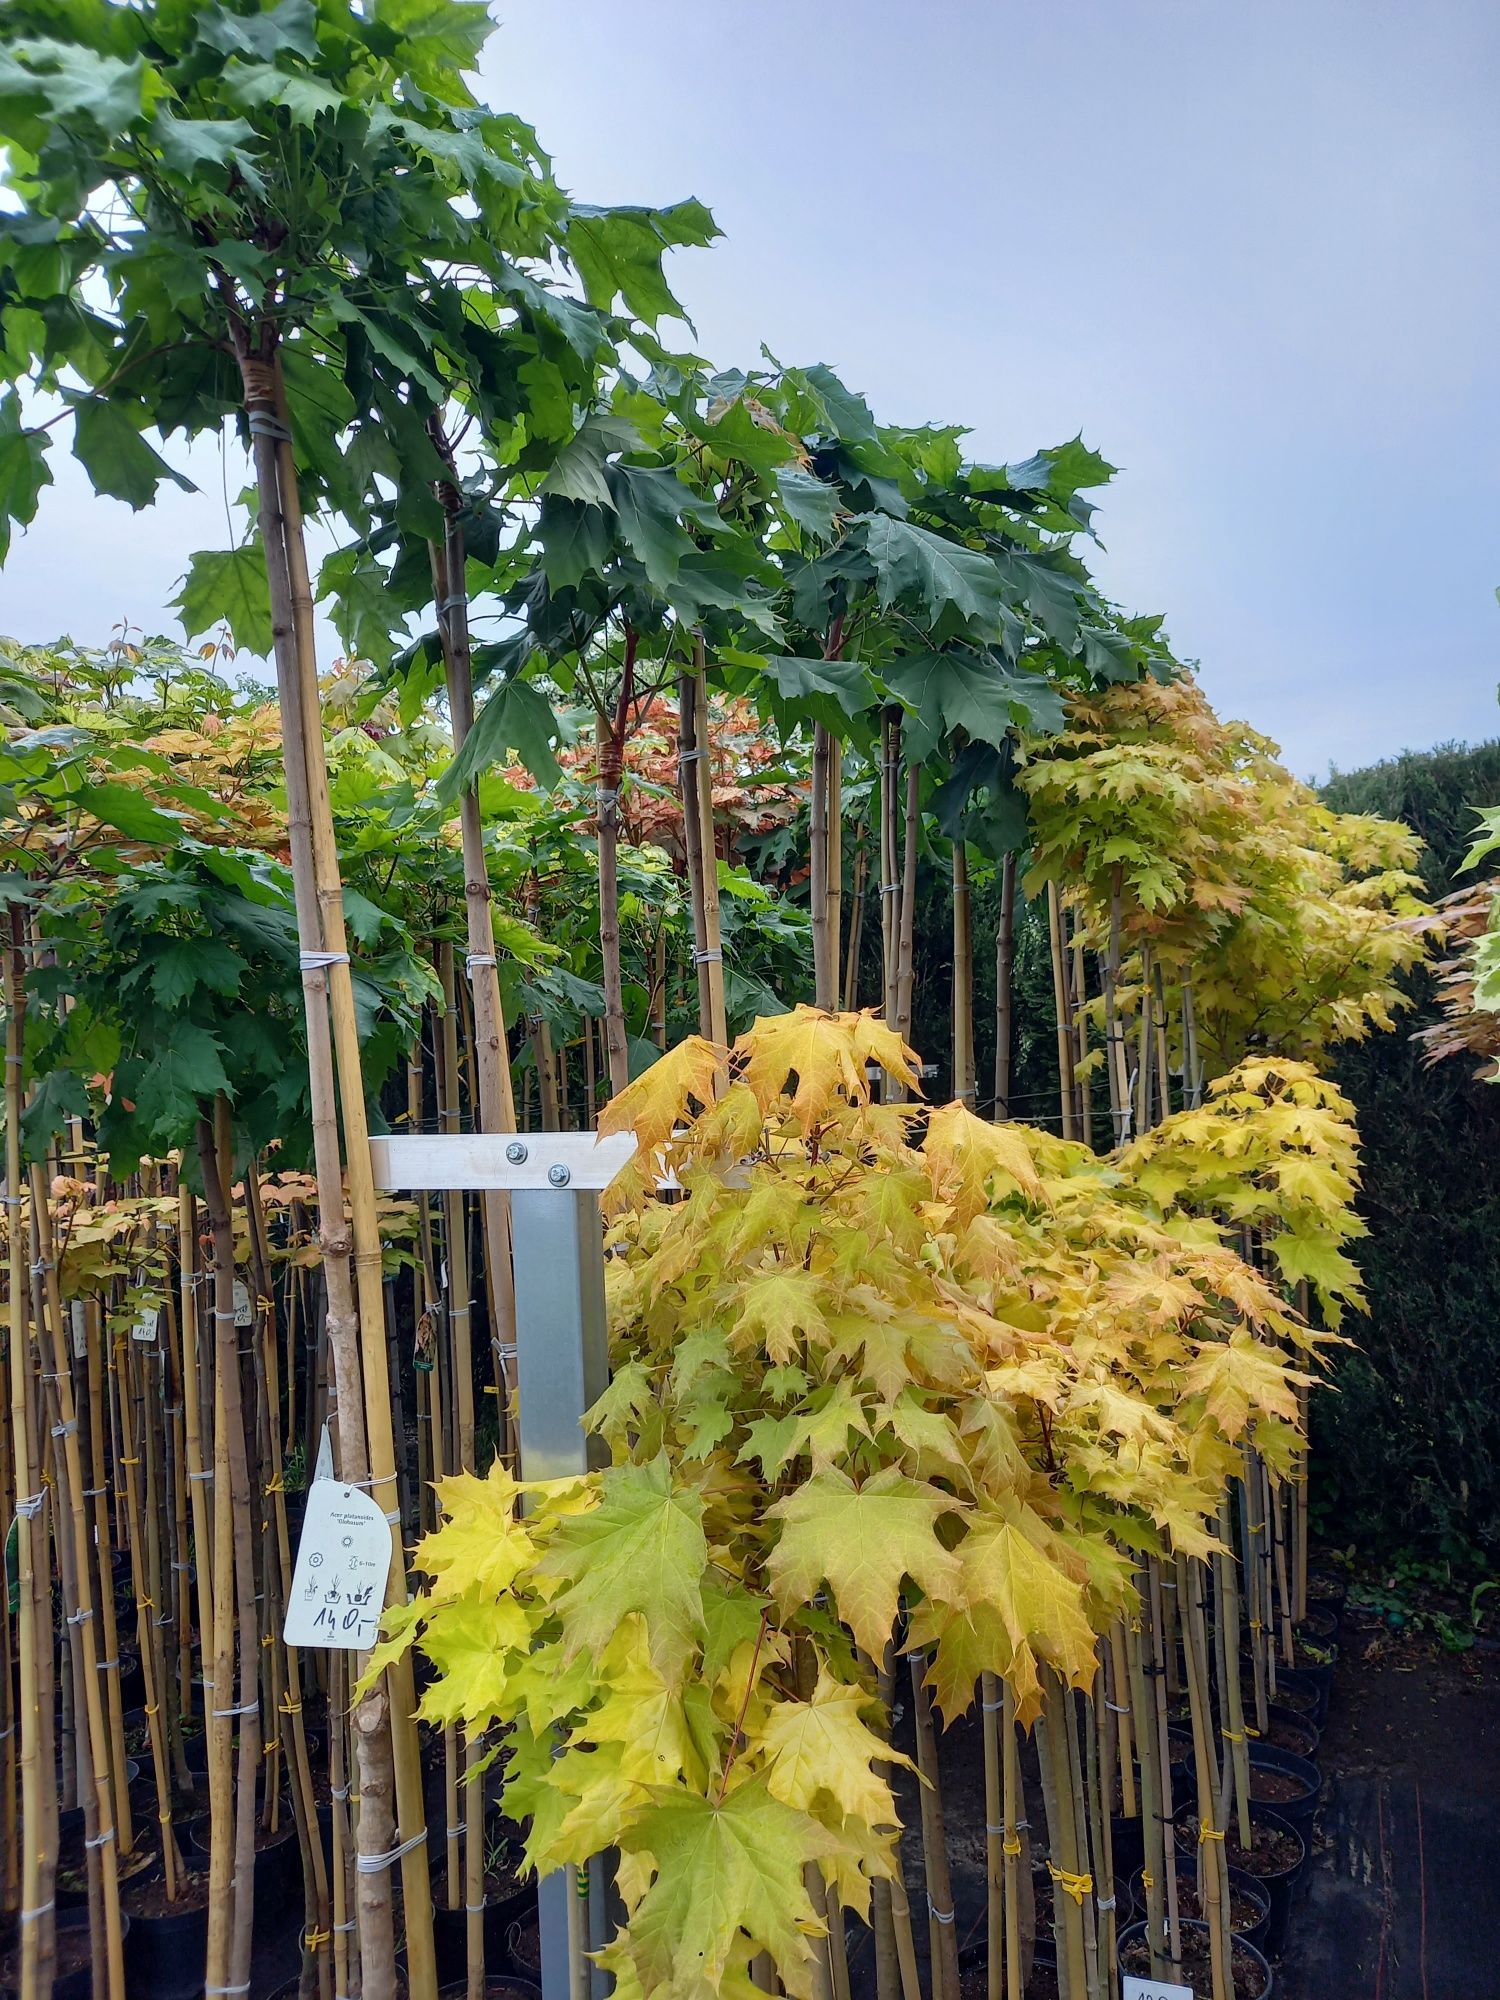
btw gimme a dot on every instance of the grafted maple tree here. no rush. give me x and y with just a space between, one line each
903 1381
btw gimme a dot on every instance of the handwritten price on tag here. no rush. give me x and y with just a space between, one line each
1154 1989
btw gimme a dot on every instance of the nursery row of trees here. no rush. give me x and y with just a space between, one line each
672 688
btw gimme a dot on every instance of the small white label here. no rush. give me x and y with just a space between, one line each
80 1331
323 1468
145 1326
443 1277
343 1560
1154 1989
242 1313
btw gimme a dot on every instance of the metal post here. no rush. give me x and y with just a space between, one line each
562 1367
562 1361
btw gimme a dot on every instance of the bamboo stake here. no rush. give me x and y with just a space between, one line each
1005 955
963 980
1066 1093
941 1924
818 869
856 923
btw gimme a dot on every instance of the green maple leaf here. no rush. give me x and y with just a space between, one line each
721 1868
116 457
946 692
516 717
641 1549
914 562
228 584
863 1541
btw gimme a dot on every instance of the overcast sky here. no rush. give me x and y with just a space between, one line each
1249 249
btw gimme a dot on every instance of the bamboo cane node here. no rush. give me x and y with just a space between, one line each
1076 1886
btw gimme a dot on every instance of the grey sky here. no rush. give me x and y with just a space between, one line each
1248 248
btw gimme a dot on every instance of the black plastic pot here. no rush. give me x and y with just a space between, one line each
1321 1624
77 1984
1127 1844
450 1931
1298 1811
1328 1590
1247 1886
523 1950
70 1822
1279 1887
277 1858
497 1986
144 1864
164 1955
1296 1686
1303 1727
1241 1945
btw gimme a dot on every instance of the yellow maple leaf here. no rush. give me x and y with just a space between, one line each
481 1543
653 1105
971 1160
822 1745
862 1541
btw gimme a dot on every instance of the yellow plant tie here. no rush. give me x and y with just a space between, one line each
268 1639
1011 1844
1076 1886
1251 1730
1257 1625
289 1707
1208 1833
1233 1735
315 1940
130 1461
152 1708
146 1603
276 1485
1148 1880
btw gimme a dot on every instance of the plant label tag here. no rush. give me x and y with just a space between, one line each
1154 1989
343 1559
80 1331
242 1313
144 1329
323 1466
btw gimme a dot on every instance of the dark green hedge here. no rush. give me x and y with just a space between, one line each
1408 1450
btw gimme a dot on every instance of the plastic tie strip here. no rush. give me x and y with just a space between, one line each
376 1864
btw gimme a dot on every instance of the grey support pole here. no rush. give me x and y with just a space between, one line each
562 1368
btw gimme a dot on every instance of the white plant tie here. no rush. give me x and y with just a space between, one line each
713 956
376 1864
101 1839
937 1915
28 1506
245 1708
314 961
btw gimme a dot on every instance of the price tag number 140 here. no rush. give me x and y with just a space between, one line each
1154 1989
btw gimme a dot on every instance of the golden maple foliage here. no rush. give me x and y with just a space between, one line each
832 1431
